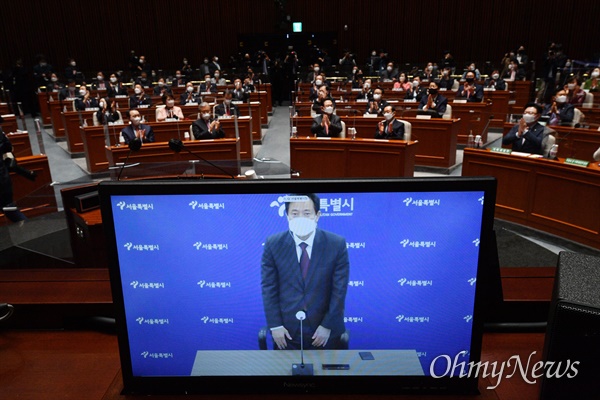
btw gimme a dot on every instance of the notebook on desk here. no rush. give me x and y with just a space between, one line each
204 272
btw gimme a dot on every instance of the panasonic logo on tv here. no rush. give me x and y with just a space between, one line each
296 385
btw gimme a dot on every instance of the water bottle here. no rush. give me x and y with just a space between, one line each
553 152
478 142
470 140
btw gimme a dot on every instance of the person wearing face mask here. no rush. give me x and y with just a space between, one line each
186 67
378 104
107 113
170 110
180 80
415 92
214 65
85 100
115 88
367 92
389 73
204 67
248 85
143 80
446 80
575 94
528 135
41 71
218 79
314 72
390 128
189 96
239 94
403 82
317 83
470 90
100 83
206 127
472 68
227 108
522 61
53 85
434 103
560 111
429 73
373 62
327 124
305 268
136 130
318 104
139 98
494 81
207 86
69 92
71 71
161 88
592 83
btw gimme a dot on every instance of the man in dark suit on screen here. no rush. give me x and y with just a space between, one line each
305 268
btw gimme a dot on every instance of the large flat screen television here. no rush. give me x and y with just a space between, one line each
288 286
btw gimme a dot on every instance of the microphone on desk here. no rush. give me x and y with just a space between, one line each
177 145
485 127
134 145
302 369
6 310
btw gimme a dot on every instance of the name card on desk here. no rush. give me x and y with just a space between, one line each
423 116
324 138
579 163
190 104
460 101
121 96
500 150
144 106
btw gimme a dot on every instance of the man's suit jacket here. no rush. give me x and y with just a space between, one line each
381 104
116 90
335 126
128 133
135 101
233 110
498 84
65 93
397 131
410 94
204 88
201 131
81 105
476 97
183 99
534 138
321 295
566 113
441 103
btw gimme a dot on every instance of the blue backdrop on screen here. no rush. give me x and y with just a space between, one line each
190 267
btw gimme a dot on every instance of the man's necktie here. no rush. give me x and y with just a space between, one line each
304 260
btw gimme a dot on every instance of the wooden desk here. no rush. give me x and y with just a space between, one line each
21 144
472 118
56 109
10 123
345 158
71 121
520 93
212 150
33 197
43 99
548 195
436 136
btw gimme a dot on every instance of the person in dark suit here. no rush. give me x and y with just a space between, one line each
207 85
378 104
136 130
69 92
53 84
327 124
559 111
226 108
115 88
205 127
239 94
100 83
446 81
416 92
470 90
162 88
391 128
139 98
85 99
434 102
389 73
528 135
305 268
179 80
366 93
495 81
144 80
189 96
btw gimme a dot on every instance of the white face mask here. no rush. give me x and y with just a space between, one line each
82 92
190 89
113 79
316 69
367 85
73 63
161 84
216 59
54 79
495 76
206 116
415 83
101 104
389 69
136 120
529 118
328 110
561 99
302 226
388 116
170 103
571 86
595 74
100 77
178 76
318 82
137 90
217 75
376 97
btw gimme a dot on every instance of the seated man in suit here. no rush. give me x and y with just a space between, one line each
434 102
305 268
494 81
161 88
218 79
560 111
69 92
85 100
100 83
446 81
205 127
226 108
314 89
239 94
143 80
528 135
136 130
319 102
470 90
416 92
189 96
139 98
366 93
207 86
327 124
378 104
116 88
391 128
390 73
179 80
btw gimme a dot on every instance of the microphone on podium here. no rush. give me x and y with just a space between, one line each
177 145
302 369
134 145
